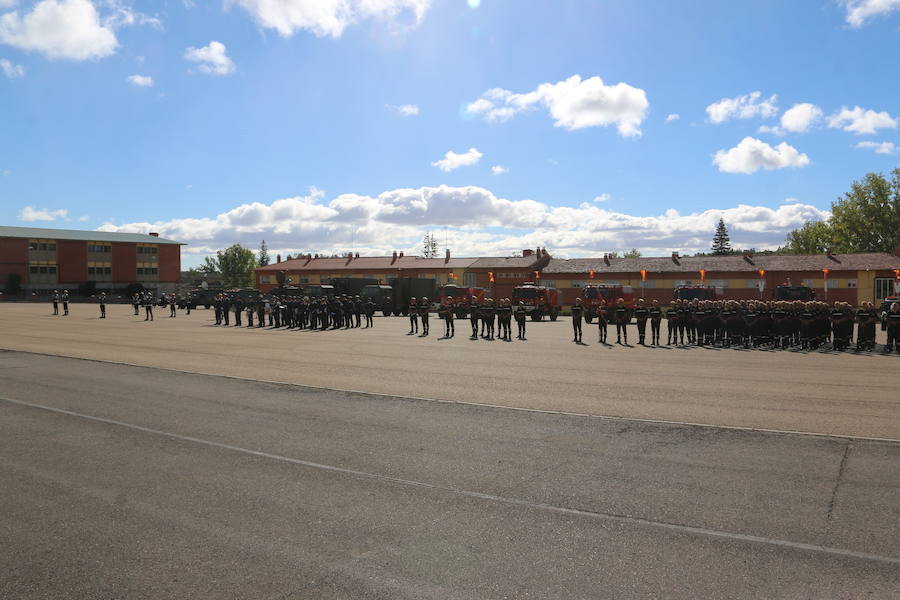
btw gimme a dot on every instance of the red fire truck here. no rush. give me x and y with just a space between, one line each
539 300
591 296
452 293
695 292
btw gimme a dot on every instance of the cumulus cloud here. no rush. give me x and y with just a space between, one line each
751 155
140 80
574 103
499 170
797 119
452 160
60 29
212 58
405 110
70 29
672 117
879 147
477 222
11 70
747 106
30 214
860 121
601 198
328 17
860 11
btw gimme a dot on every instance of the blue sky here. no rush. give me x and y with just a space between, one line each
325 125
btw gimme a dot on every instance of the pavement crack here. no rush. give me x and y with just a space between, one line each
829 516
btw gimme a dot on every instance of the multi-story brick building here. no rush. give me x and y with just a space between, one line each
48 259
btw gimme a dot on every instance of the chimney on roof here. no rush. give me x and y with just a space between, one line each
606 259
748 256
527 252
538 251
447 256
277 258
357 255
394 257
544 252
316 256
675 257
154 234
400 255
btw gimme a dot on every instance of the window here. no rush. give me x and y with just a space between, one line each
852 283
33 245
470 279
33 270
719 283
646 284
884 287
809 283
265 278
99 248
92 271
832 283
549 283
577 283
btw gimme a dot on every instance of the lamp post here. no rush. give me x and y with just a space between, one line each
825 273
762 282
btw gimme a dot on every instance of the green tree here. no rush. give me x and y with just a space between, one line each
813 238
633 253
236 265
721 245
865 219
429 246
263 256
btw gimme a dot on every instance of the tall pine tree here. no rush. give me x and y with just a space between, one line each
263 256
721 242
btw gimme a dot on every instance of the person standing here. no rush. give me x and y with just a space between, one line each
641 314
358 310
865 332
577 316
413 316
488 316
148 306
655 321
173 304
602 320
521 313
136 304
102 301
621 318
474 317
238 309
370 312
424 306
251 308
217 309
56 299
892 326
65 301
226 308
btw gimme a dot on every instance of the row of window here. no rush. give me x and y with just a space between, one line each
42 270
147 250
148 271
99 270
51 246
51 270
99 248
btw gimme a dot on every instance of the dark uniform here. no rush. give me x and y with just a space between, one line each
56 303
621 317
413 317
148 307
474 318
423 314
577 316
370 312
102 301
136 304
641 314
65 301
892 326
238 309
655 321
521 314
865 329
172 305
602 322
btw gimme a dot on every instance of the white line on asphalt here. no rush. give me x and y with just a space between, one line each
479 404
469 494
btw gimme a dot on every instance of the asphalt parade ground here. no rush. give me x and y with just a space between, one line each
122 481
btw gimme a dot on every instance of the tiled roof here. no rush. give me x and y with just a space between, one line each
691 264
77 235
505 262
378 263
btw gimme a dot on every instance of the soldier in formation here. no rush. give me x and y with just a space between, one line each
577 316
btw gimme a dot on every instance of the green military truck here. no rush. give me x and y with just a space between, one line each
382 296
412 287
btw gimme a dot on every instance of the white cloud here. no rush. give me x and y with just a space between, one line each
452 160
404 110
499 170
60 29
742 107
211 58
328 17
860 11
573 103
11 70
601 198
880 147
751 155
83 218
797 119
29 213
478 223
141 80
860 121
672 117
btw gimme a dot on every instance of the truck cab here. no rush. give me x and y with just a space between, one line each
381 295
793 292
591 296
457 296
538 300
695 292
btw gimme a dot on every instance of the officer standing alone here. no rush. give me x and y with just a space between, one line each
102 301
577 316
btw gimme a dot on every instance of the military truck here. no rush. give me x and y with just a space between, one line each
793 292
411 287
591 296
286 290
382 296
350 286
695 292
319 291
200 297
538 300
453 294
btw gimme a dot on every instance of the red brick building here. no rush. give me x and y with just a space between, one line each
48 259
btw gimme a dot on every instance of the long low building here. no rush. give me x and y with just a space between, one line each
48 259
852 278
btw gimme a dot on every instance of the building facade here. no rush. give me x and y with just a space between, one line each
852 278
49 259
